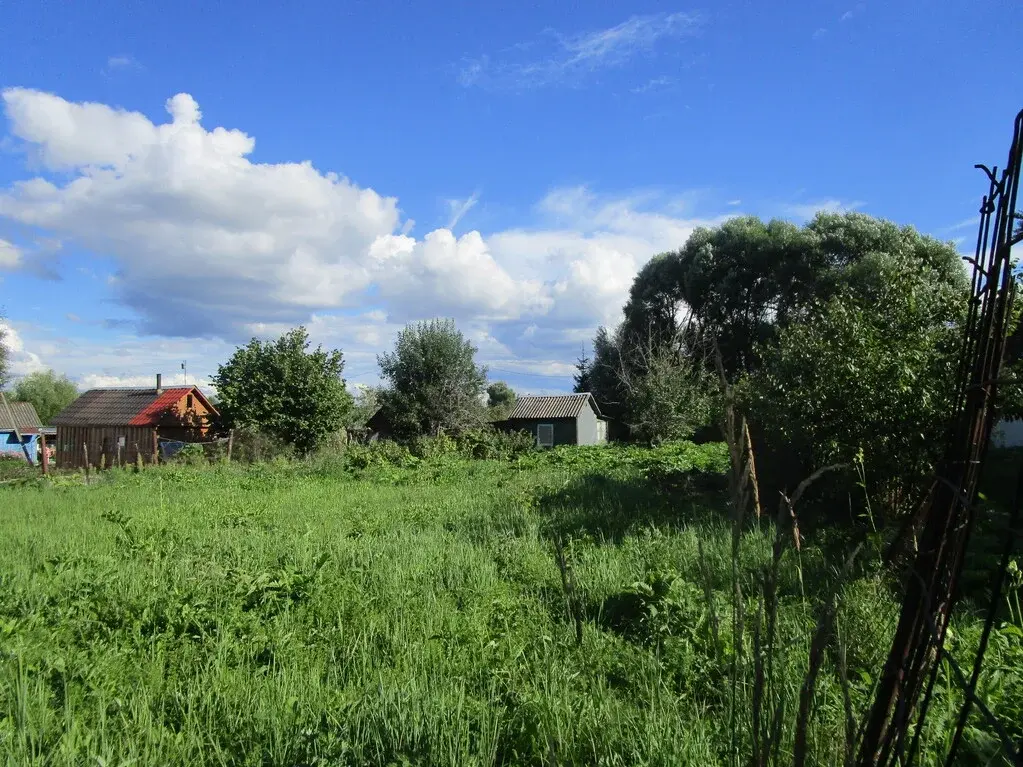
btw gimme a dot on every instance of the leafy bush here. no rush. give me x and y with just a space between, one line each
685 466
252 445
491 444
192 455
677 464
285 389
380 453
433 447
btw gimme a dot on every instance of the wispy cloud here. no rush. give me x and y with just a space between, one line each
571 57
458 208
656 84
810 209
734 202
819 33
855 10
122 63
966 222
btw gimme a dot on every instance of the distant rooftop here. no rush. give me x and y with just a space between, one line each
555 406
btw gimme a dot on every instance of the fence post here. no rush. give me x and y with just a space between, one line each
85 454
45 462
230 444
156 449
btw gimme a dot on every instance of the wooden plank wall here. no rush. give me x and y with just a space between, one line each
102 444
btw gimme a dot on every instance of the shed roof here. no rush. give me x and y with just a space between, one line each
125 407
559 406
25 417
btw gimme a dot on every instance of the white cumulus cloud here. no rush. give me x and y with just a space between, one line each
210 244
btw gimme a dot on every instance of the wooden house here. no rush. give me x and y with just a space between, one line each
115 426
566 419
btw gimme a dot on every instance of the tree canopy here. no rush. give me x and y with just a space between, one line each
500 400
48 393
433 382
873 372
282 388
744 281
841 334
581 382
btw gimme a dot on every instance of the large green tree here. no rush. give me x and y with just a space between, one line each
842 334
603 373
285 389
744 281
581 382
660 387
48 392
433 382
500 400
871 369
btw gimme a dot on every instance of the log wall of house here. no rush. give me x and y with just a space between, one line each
187 420
102 442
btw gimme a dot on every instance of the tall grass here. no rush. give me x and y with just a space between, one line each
294 614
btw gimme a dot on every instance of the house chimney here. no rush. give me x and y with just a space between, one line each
159 384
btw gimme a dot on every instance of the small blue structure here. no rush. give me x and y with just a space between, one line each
10 448
26 422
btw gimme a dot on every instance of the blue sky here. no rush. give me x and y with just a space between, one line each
509 167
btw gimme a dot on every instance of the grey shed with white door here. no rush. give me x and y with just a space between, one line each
564 419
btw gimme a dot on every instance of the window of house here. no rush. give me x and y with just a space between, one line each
545 435
188 402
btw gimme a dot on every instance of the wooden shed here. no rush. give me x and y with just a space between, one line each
115 426
565 419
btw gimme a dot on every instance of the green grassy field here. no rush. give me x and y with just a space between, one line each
295 615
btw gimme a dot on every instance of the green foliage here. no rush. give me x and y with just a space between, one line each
841 335
604 372
191 455
290 613
669 395
282 389
382 453
434 383
500 400
581 382
492 444
661 389
678 464
1010 393
874 371
746 279
48 393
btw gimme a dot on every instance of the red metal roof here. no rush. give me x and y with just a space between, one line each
151 413
125 407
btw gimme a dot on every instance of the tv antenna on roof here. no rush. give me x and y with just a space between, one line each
184 372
